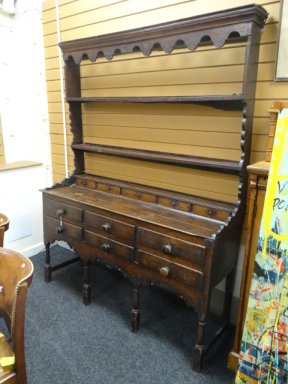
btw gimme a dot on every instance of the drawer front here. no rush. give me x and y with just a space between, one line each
105 245
57 209
174 203
171 246
109 226
215 214
132 194
109 188
169 270
61 231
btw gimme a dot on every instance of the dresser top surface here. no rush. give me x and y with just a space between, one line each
184 222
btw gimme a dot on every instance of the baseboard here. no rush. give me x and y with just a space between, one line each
32 251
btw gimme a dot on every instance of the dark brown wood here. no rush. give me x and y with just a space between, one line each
210 164
86 289
135 314
186 243
219 26
225 102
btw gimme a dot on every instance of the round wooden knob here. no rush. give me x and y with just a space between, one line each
165 271
167 249
105 247
106 227
60 229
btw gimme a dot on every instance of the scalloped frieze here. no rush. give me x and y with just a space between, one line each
191 41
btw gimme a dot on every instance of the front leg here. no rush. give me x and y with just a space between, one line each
135 314
86 289
199 348
47 268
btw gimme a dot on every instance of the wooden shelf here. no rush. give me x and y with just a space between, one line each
234 102
209 164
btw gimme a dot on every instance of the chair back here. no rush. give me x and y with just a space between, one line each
16 273
4 225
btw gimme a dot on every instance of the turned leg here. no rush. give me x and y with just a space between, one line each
199 345
86 290
47 268
135 314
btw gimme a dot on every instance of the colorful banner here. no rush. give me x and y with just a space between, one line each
263 356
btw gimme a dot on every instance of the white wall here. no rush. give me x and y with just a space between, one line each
24 116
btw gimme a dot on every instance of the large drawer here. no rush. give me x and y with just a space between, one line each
171 246
170 270
104 245
56 209
61 231
110 226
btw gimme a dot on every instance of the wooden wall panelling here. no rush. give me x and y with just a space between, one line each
267 51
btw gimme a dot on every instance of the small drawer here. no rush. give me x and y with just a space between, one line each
62 231
213 213
171 246
109 226
137 195
108 246
57 209
87 183
174 203
109 188
169 270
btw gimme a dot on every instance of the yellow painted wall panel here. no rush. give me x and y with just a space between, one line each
169 90
58 159
52 74
56 108
53 85
149 17
85 6
166 78
52 63
2 154
212 152
159 61
51 52
49 28
50 14
175 178
117 11
227 124
122 123
47 5
56 129
51 40
54 97
157 109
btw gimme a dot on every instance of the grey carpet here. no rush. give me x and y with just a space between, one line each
70 343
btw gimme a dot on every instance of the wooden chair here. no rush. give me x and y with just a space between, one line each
4 225
16 273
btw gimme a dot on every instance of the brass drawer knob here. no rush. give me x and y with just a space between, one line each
167 249
105 247
106 227
60 212
60 228
165 271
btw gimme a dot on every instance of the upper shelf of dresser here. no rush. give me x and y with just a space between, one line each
212 28
241 24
